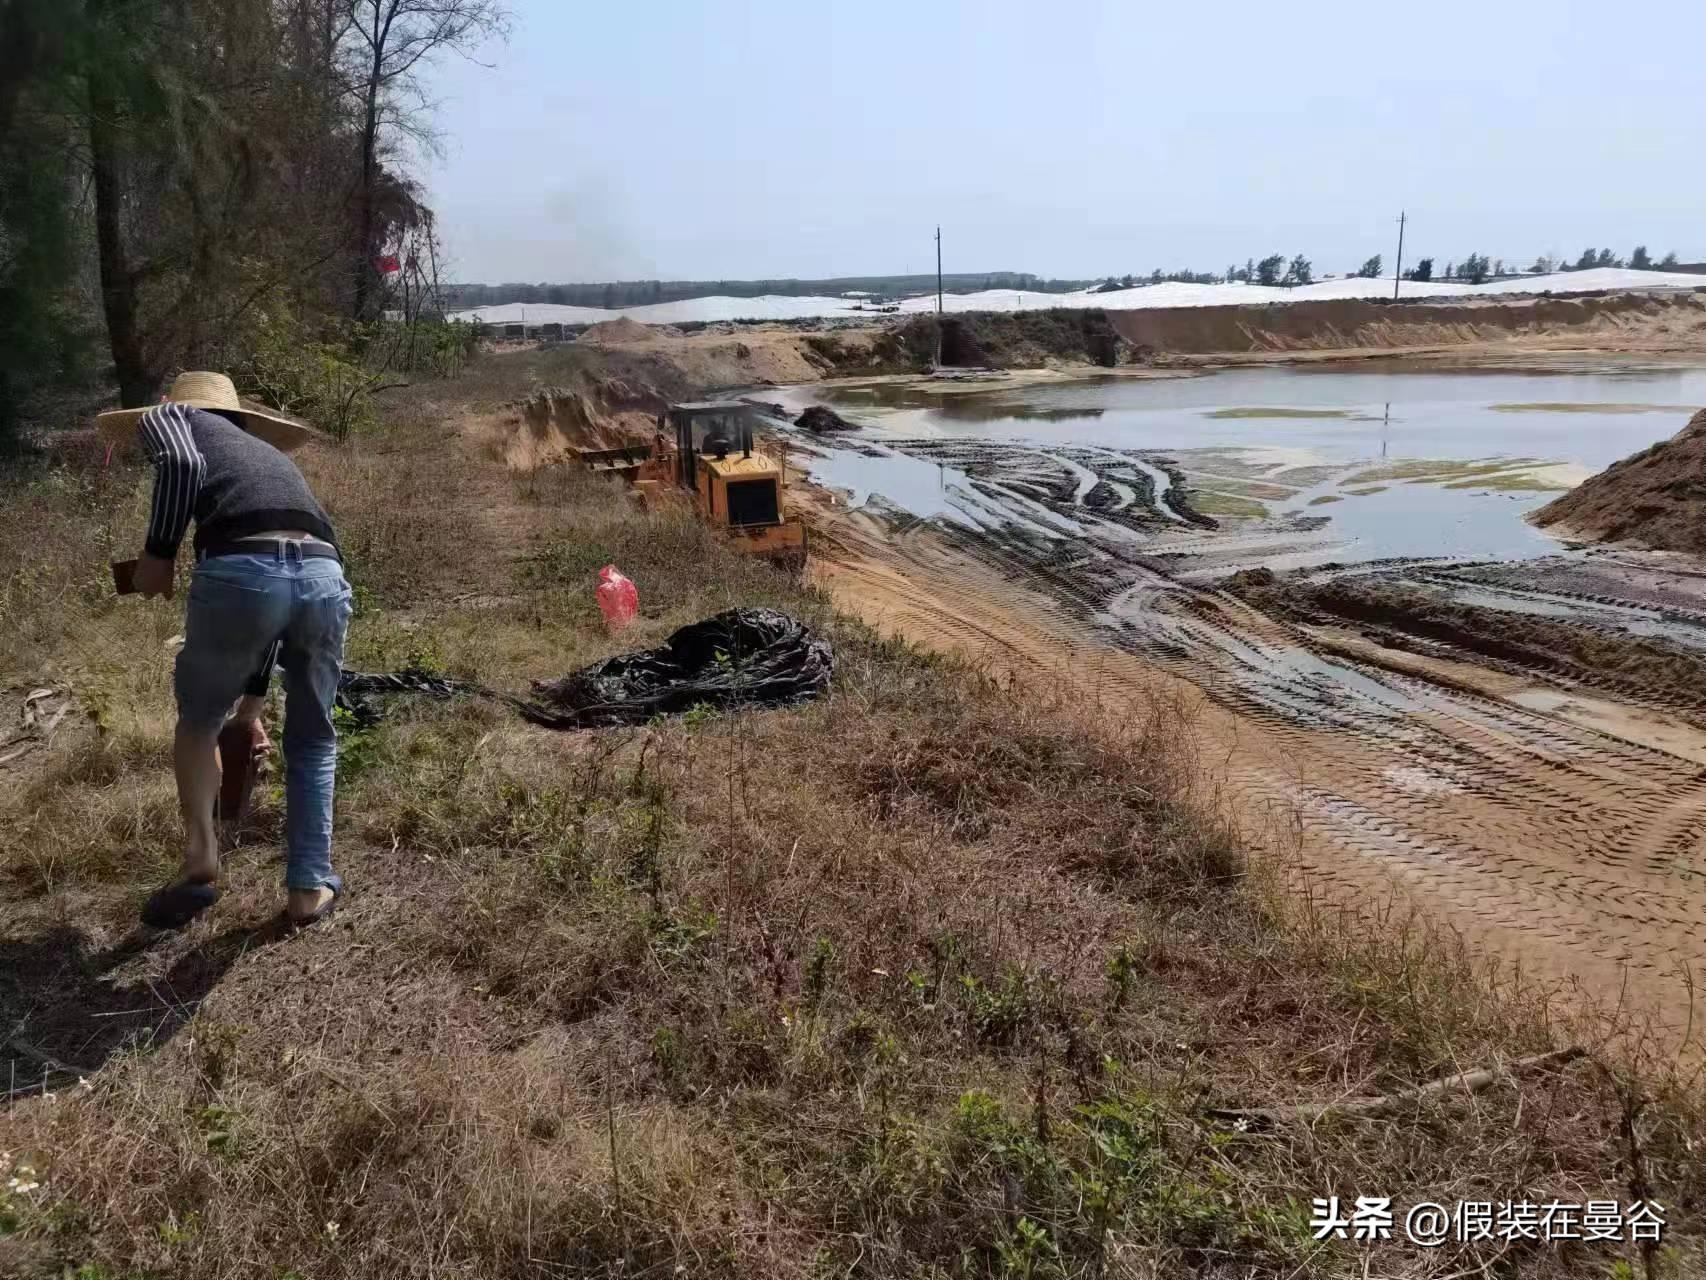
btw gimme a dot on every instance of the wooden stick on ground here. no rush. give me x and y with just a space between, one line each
1467 1081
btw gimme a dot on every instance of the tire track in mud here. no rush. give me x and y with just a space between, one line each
1484 735
1562 846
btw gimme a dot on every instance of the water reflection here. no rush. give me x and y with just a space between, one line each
1436 413
959 406
1272 451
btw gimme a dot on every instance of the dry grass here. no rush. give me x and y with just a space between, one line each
925 978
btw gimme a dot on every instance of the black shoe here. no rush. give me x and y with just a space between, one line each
177 904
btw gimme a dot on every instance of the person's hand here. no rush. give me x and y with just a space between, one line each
154 576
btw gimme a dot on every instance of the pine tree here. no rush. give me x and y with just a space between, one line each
42 337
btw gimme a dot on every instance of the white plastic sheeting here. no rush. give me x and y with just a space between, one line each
772 307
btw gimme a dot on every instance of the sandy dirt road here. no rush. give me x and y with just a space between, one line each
1564 834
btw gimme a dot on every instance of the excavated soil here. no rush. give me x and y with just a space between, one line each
1656 498
720 357
623 332
1591 652
602 413
820 418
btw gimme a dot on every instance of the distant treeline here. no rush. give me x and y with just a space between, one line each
1275 269
639 293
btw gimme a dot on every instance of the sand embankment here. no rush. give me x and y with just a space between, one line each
1656 497
1619 321
719 359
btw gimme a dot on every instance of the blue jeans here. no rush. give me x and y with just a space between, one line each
239 607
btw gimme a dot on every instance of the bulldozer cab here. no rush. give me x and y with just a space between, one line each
715 459
711 428
707 449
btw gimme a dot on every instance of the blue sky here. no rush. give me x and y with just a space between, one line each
807 138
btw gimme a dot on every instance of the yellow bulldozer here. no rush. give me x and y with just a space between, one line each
705 449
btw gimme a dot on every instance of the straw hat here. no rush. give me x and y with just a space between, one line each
212 391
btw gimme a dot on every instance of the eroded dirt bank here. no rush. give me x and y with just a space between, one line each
1613 322
745 355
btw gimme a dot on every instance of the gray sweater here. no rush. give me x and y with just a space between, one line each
233 484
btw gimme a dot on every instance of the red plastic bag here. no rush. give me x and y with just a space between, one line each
617 597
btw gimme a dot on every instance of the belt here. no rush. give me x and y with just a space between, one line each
279 547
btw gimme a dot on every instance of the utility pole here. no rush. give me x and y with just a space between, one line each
1398 270
938 363
938 270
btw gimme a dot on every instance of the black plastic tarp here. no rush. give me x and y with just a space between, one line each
740 657
359 692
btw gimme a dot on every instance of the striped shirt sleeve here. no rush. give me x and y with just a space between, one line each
178 468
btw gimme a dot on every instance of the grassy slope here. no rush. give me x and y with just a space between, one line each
929 977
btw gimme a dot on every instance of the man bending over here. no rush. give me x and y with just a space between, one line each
267 574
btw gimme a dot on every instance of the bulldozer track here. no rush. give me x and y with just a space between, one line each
1574 851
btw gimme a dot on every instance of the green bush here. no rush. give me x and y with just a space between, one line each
328 377
313 377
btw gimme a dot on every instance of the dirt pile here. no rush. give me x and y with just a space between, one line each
1656 497
756 357
1622 321
821 418
603 413
624 332
717 357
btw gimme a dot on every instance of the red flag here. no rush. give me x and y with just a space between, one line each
385 264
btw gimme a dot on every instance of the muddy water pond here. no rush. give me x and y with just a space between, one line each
1290 465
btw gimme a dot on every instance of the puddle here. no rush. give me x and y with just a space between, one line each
911 485
1382 461
1397 411
1404 521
